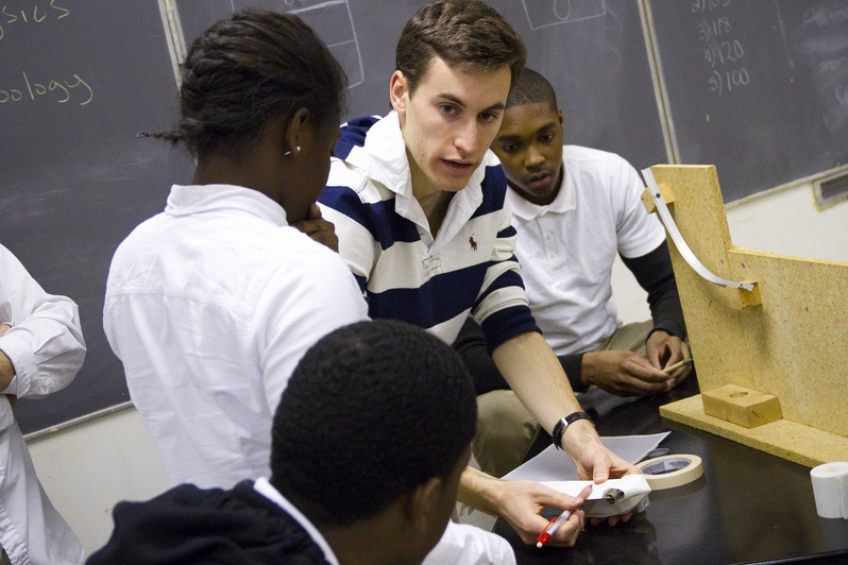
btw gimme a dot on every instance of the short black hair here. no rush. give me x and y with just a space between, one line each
465 33
372 411
247 69
532 88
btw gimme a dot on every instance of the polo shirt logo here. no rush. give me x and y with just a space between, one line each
472 243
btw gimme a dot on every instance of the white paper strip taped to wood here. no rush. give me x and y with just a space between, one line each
681 244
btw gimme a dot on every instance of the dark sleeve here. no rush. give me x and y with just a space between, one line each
573 367
471 346
656 275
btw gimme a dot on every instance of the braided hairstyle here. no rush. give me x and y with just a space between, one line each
247 69
372 411
464 33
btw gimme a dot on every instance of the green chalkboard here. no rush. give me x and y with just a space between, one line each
78 80
593 52
757 88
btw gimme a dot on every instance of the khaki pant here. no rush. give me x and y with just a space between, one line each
506 430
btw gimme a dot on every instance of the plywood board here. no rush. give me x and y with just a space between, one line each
793 345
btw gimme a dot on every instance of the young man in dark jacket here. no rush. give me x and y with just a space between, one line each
369 441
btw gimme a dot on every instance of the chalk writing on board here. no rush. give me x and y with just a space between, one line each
820 42
722 51
708 5
544 13
14 16
333 23
61 92
331 20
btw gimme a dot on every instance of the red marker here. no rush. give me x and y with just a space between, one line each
552 527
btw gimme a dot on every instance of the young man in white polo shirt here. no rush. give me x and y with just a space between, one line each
574 208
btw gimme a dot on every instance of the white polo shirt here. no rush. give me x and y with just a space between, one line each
568 247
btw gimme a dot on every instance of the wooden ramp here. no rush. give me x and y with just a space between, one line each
789 338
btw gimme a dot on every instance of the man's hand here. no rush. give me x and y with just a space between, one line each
594 461
664 350
520 502
318 228
524 500
625 373
535 375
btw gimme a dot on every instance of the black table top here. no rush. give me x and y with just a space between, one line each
749 507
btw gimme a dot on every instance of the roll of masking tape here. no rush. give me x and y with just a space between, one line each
671 471
830 489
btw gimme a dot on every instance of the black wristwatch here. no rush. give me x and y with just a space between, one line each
563 423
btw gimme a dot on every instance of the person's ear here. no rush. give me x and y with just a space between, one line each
399 92
296 133
423 504
559 115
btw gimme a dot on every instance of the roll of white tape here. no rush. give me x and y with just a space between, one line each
830 489
671 471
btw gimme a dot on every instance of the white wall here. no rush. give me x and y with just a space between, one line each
88 468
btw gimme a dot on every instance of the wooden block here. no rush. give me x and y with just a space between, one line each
743 406
796 442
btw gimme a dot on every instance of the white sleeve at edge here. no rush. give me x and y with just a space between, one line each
463 544
45 343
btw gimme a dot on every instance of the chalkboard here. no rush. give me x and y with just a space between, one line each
78 80
759 89
593 52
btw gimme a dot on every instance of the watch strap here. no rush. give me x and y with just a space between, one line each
563 423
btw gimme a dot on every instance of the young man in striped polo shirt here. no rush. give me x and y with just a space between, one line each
418 204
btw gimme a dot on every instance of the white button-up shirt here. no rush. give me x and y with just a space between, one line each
210 305
46 348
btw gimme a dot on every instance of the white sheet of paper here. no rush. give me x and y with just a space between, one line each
633 488
555 465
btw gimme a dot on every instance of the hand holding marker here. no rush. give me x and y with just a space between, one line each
557 522
676 366
552 527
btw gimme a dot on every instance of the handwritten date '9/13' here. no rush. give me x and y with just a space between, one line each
708 5
16 16
74 90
